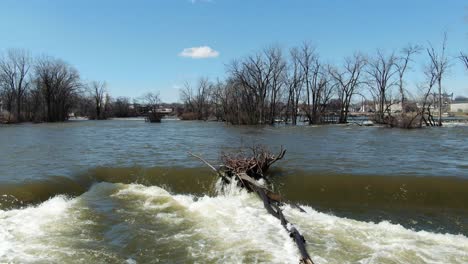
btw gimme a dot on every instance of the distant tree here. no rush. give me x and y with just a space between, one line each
464 59
121 107
402 65
84 105
152 100
427 89
381 71
15 79
98 93
107 106
219 101
251 79
153 103
196 100
275 58
7 96
440 64
59 85
347 82
318 88
294 85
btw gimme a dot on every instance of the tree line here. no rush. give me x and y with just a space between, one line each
272 85
47 89
265 87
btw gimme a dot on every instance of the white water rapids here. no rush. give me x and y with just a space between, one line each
119 223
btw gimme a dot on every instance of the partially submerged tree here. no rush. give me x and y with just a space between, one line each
381 72
59 85
348 80
428 98
196 99
294 81
219 101
7 96
439 65
275 59
15 80
267 87
318 89
258 80
153 101
402 66
121 107
98 93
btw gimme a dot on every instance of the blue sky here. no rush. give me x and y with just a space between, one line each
136 45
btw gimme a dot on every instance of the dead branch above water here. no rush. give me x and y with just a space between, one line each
249 168
255 164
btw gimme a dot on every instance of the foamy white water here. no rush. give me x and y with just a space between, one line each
339 240
120 223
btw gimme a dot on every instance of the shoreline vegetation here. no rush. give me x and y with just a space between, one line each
268 87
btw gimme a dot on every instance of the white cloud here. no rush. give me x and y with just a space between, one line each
201 52
199 1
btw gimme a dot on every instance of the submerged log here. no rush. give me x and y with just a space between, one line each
247 169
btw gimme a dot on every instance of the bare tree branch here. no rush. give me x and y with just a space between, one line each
440 64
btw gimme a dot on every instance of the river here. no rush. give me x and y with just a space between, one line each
126 191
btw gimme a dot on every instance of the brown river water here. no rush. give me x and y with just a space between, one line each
126 191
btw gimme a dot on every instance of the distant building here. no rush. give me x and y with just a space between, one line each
144 109
446 102
459 105
164 110
396 107
367 107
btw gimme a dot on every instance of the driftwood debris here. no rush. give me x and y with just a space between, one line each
247 169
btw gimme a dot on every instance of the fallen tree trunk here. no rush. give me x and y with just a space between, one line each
247 170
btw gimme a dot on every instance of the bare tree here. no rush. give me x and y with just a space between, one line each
317 84
402 66
440 64
152 100
254 76
464 59
381 71
294 84
59 85
220 100
347 82
98 92
427 91
187 97
197 101
14 78
121 107
278 65
7 96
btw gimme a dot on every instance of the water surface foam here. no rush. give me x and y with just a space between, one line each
131 223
